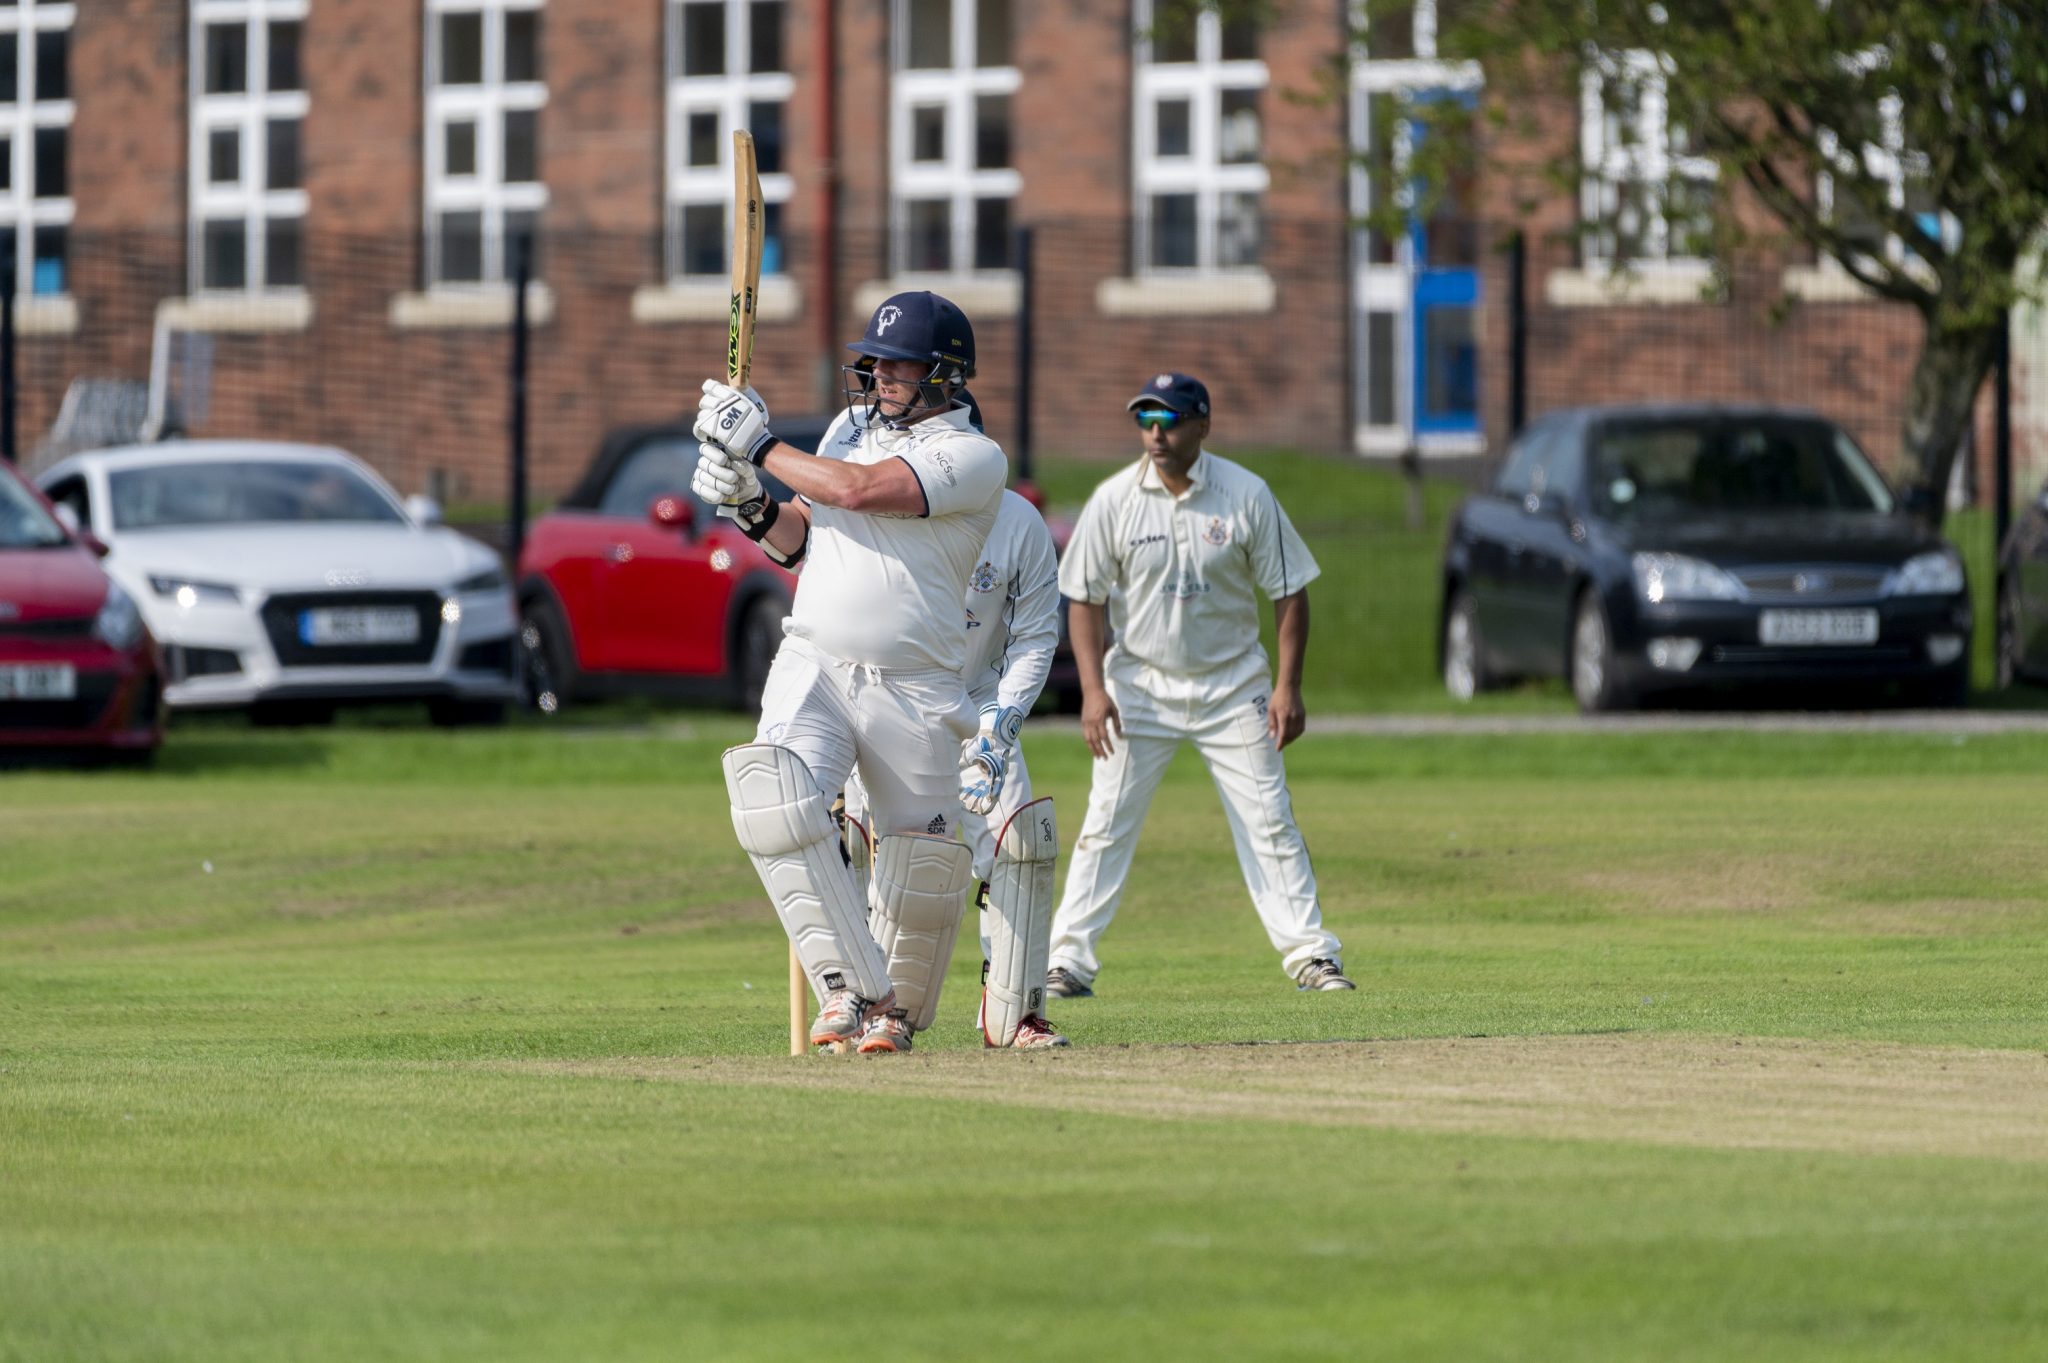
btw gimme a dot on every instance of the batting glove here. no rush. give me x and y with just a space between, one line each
722 480
735 421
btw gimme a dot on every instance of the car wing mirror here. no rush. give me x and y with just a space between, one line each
423 509
1545 504
672 511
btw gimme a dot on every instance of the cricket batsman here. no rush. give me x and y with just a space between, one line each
1174 553
889 526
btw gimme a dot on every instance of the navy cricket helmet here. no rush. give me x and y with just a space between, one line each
919 326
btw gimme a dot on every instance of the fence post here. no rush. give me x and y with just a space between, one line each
2001 437
515 515
8 449
1022 453
1518 334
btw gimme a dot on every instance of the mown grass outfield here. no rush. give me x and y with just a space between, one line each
1676 1047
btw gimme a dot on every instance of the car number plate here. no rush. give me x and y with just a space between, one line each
1819 627
38 681
341 625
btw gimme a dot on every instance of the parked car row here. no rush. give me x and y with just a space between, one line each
1634 552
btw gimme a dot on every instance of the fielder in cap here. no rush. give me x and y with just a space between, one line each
888 521
1173 554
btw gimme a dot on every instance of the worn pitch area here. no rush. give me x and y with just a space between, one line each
1710 1092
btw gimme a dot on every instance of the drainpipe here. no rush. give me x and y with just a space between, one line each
827 84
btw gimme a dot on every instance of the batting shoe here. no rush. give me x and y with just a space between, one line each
1034 1033
885 1034
1320 974
1063 983
845 1013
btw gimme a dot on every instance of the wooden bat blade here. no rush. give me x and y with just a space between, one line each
746 258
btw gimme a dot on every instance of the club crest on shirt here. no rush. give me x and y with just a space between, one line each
1218 531
983 578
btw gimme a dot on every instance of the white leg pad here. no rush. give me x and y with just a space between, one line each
785 826
1019 921
920 896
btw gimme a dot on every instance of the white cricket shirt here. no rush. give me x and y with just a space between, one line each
1182 574
1013 603
885 590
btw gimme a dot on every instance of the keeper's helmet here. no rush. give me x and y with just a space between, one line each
920 327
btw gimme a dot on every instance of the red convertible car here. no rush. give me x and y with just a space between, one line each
633 586
78 670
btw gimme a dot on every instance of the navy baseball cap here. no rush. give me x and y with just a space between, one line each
918 326
1179 392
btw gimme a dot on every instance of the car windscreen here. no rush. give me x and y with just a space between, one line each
24 524
1668 468
251 492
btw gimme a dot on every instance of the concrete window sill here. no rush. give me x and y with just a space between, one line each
710 300
49 314
254 312
1187 295
1660 284
980 296
469 309
1826 284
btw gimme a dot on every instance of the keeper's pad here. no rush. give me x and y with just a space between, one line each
1019 921
920 895
784 826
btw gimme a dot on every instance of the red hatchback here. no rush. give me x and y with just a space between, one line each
78 669
633 586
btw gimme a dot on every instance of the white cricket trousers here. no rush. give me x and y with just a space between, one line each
977 831
903 727
1231 736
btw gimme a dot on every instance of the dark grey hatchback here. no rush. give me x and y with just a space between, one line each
1637 550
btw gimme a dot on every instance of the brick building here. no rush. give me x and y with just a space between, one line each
307 209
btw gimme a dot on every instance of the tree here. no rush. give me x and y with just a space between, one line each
1925 120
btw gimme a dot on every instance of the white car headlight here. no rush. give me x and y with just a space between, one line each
119 624
1938 573
1675 577
490 580
189 592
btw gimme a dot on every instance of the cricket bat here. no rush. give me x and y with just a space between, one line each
746 258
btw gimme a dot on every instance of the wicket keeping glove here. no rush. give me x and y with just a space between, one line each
735 421
985 758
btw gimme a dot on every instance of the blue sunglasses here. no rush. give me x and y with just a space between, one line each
1165 418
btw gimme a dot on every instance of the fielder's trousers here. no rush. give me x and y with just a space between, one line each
1231 736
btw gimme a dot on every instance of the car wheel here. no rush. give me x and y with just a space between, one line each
1595 684
2008 638
465 714
544 669
754 643
1465 671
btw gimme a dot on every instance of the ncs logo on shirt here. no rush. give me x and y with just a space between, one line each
1218 531
984 578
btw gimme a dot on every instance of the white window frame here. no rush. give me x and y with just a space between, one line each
1202 172
19 208
249 114
728 96
1644 158
486 104
955 179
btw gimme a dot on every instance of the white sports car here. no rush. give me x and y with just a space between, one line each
290 578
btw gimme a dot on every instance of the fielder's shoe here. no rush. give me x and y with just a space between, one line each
1063 983
885 1034
844 1014
1034 1033
1319 974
